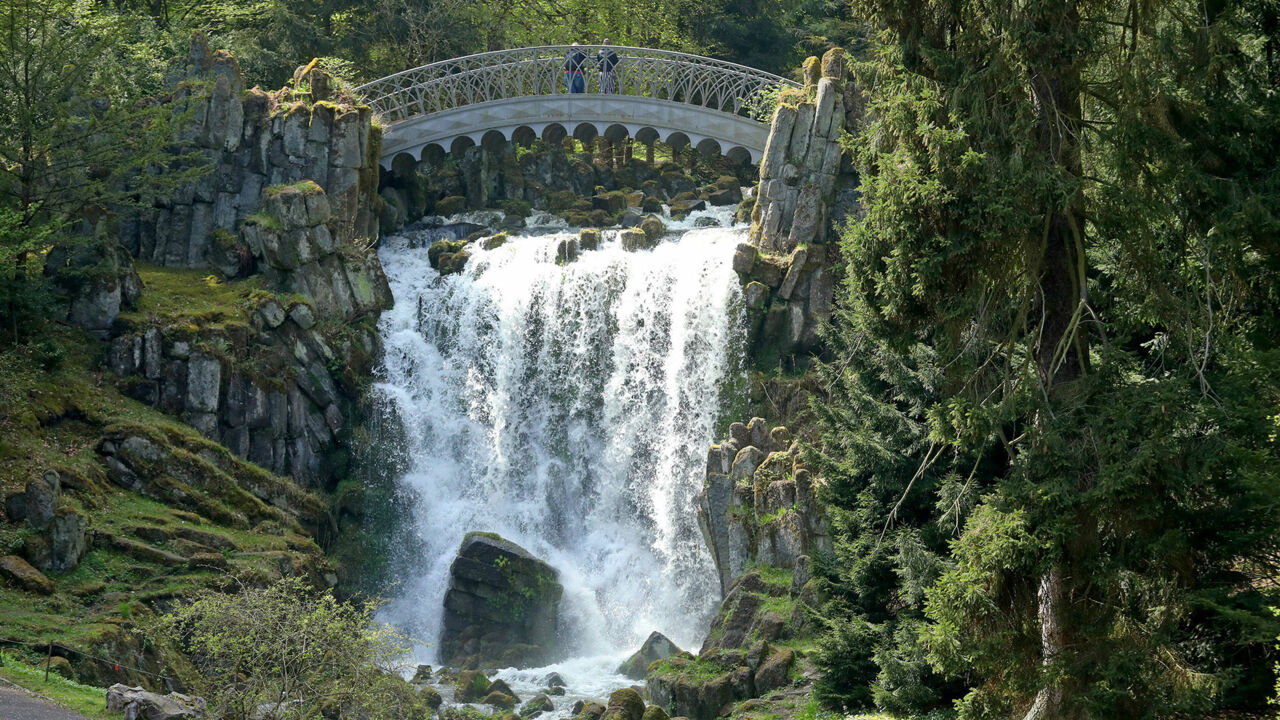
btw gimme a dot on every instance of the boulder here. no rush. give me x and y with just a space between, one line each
625 704
137 703
422 674
430 697
41 497
66 540
501 686
499 700
633 239
537 706
588 239
775 672
656 647
60 666
470 685
501 605
655 712
554 680
19 573
653 229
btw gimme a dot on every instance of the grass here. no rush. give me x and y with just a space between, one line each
192 297
84 699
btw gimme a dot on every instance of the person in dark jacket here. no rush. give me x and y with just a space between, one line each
607 62
574 62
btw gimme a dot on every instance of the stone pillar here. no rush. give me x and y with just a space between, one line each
801 160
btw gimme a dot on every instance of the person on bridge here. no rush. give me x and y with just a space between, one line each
607 61
574 62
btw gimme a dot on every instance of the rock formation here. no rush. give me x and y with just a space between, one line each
757 504
278 388
254 140
656 647
501 606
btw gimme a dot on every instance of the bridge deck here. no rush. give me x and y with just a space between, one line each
660 95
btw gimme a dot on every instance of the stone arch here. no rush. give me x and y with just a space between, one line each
647 136
585 132
677 140
524 136
554 134
616 132
461 144
433 153
738 155
708 147
493 141
403 165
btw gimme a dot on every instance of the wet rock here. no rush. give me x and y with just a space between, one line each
430 697
470 686
656 647
537 706
589 239
501 605
554 680
501 686
499 700
421 674
653 229
633 239
19 573
625 704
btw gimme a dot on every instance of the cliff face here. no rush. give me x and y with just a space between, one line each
239 348
254 140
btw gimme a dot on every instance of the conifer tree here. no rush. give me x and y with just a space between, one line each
1050 435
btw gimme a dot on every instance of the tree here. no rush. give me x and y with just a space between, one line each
76 140
1052 407
287 651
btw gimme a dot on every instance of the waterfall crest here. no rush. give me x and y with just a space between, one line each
567 408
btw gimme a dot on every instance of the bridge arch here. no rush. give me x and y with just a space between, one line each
693 100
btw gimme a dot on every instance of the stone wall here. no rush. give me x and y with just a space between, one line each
282 388
588 189
254 140
758 503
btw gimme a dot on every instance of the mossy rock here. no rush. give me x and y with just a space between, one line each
625 704
451 205
501 686
470 685
500 700
539 704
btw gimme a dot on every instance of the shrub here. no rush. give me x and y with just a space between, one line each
287 652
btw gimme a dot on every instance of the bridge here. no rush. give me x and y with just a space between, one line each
520 95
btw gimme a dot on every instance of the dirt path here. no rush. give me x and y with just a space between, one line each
18 704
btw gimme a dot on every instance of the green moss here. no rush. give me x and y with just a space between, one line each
173 297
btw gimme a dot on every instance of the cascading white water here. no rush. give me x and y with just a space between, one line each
567 408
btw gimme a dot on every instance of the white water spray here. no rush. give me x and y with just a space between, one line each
567 408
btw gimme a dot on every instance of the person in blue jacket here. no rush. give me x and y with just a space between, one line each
574 62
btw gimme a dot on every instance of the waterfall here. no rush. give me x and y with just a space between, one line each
569 409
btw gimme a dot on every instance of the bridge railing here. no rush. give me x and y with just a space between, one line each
661 74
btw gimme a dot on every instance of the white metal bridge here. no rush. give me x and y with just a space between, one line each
521 94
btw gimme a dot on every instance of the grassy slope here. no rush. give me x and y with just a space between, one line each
84 699
55 402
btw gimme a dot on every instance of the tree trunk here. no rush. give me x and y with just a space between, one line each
1061 350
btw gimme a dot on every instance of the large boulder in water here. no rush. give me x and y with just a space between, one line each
656 647
501 606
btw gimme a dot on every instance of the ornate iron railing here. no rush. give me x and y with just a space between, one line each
660 74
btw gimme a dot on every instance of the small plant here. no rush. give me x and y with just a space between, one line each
213 281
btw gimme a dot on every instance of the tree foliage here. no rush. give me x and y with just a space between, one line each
287 651
1050 423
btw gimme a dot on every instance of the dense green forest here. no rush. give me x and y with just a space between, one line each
1049 405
